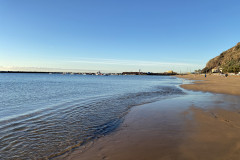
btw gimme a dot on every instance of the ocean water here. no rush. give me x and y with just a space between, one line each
43 116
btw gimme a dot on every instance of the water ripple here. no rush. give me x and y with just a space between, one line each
56 129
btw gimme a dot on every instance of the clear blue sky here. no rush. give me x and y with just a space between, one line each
116 35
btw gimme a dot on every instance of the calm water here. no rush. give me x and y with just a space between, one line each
42 116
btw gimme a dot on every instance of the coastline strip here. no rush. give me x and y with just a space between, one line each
201 126
213 83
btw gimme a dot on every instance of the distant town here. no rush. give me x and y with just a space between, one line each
97 73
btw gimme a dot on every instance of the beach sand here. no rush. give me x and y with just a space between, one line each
173 129
195 126
213 83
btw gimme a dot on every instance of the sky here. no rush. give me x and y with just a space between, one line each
115 35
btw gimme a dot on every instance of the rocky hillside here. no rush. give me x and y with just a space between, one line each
228 60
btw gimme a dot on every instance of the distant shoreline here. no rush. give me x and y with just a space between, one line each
93 73
28 72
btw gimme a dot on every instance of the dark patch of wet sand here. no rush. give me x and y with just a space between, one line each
172 129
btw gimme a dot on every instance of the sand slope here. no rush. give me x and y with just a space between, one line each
214 83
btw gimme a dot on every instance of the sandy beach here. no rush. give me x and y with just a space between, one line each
104 80
213 83
194 126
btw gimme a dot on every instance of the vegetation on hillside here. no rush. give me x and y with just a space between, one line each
228 60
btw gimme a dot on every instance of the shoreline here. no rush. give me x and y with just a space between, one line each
193 126
121 143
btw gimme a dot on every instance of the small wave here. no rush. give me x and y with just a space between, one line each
58 129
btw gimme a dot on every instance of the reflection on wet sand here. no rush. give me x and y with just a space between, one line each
195 126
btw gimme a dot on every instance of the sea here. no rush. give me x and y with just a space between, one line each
43 116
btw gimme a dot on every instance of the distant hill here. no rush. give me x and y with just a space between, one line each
228 60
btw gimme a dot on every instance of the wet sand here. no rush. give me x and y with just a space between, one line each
193 126
213 83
